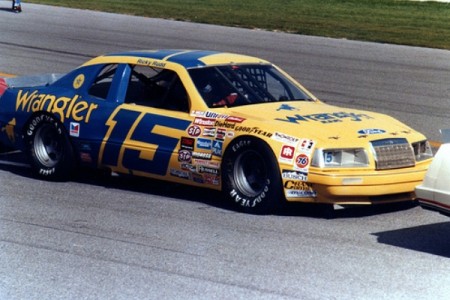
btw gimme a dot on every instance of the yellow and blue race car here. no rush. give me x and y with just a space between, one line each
217 120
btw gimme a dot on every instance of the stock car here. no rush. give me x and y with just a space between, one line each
224 121
434 193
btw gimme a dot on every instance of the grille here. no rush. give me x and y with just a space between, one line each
393 153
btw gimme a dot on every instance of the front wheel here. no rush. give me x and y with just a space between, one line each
251 177
48 148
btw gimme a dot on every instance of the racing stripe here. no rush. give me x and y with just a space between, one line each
186 58
191 58
157 54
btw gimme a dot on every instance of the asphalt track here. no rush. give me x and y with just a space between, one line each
113 238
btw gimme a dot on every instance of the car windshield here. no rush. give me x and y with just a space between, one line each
235 85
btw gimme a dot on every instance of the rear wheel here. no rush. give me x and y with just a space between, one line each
251 177
48 148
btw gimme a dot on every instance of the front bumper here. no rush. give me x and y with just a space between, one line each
365 188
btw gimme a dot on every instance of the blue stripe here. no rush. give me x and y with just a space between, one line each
185 58
191 59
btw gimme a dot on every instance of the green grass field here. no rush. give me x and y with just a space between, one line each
405 22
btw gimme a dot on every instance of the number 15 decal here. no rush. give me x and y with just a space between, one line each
133 144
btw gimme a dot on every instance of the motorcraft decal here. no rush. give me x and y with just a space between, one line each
371 131
326 118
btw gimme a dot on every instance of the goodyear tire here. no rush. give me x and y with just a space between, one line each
251 177
48 148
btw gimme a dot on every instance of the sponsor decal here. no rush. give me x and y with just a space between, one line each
179 173
287 154
302 161
255 130
64 107
296 185
217 148
221 133
209 131
326 118
228 125
208 114
211 179
74 129
371 131
184 156
300 194
204 122
197 178
294 175
235 119
202 169
284 138
213 115
205 144
78 82
306 145
194 130
188 167
206 163
201 155
187 143
298 189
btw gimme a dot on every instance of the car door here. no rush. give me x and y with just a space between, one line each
144 132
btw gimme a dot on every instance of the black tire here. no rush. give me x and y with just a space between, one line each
251 177
48 148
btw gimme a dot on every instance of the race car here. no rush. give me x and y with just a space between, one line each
223 121
434 193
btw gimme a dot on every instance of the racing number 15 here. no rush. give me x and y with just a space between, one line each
131 137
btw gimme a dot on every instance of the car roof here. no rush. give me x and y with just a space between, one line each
189 58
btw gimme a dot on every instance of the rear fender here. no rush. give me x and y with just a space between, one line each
3 86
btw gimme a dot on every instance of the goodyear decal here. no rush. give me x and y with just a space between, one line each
326 118
64 107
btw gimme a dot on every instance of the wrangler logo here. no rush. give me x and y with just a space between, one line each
64 107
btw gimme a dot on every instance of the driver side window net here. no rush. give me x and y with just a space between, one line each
156 88
102 83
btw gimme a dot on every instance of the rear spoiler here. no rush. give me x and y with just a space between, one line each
28 81
31 81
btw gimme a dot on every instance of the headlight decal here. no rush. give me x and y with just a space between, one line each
340 158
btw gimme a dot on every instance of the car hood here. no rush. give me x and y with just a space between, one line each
325 123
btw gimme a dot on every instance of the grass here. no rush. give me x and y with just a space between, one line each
425 24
